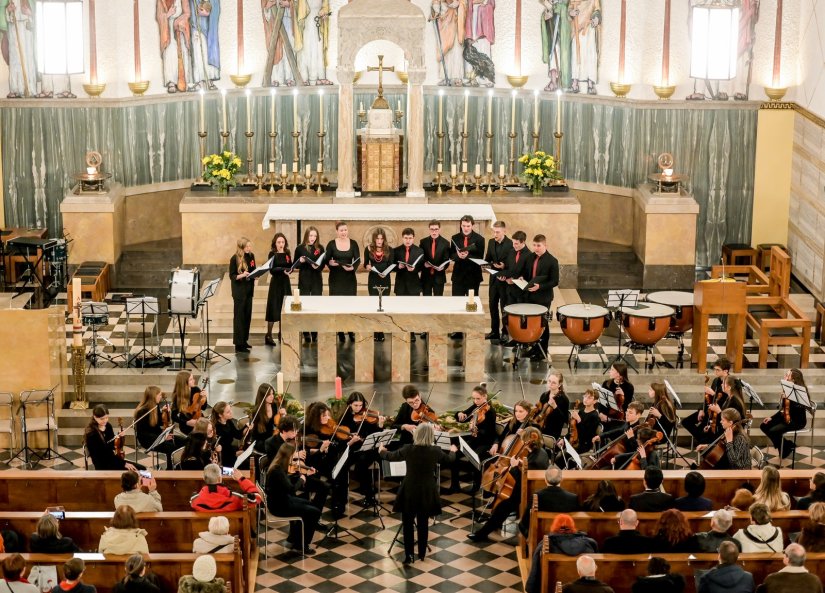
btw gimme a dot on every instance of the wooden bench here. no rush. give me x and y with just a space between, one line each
620 572
105 571
600 526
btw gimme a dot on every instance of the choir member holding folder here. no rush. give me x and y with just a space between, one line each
466 245
499 248
409 259
343 256
310 255
241 267
279 286
378 261
436 254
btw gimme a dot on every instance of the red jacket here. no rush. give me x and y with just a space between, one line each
217 498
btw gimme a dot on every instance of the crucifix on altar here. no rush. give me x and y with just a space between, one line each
380 142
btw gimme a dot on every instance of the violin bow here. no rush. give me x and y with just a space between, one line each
429 394
149 411
365 413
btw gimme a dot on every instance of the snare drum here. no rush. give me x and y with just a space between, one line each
582 324
647 325
682 302
526 322
183 294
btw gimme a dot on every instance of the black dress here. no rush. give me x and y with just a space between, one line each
279 286
147 433
101 449
242 292
310 281
379 264
281 501
228 433
181 417
342 282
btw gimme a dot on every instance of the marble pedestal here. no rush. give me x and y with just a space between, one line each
437 316
96 223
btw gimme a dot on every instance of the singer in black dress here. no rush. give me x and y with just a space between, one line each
310 277
279 284
241 266
342 253
378 256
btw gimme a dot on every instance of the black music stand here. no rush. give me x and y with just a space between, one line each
340 466
142 306
372 442
797 394
96 315
606 397
25 401
616 299
207 293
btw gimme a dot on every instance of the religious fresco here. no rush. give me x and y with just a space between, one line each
297 42
465 33
571 44
189 45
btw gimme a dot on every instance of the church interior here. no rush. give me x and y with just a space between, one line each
640 192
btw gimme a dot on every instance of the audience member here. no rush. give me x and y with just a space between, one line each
14 571
629 540
217 540
741 501
694 501
769 491
794 577
604 499
48 539
720 525
136 579
673 533
727 576
72 574
563 539
202 579
652 500
659 578
139 493
813 531
587 581
760 535
552 499
817 492
123 536
217 498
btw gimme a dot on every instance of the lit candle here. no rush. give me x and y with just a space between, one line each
321 110
536 112
490 111
320 167
339 388
513 112
279 380
440 111
272 110
466 100
501 170
296 296
361 106
439 168
308 171
464 167
477 170
558 110
76 296
399 104
271 167
489 168
260 170
223 109
471 297
283 169
777 47
203 112
137 40
294 166
452 169
91 170
295 110
248 110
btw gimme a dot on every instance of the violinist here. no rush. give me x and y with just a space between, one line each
262 424
537 458
482 418
516 425
731 398
213 444
362 422
323 442
152 416
622 389
226 429
196 452
736 442
627 430
696 422
184 408
555 406
662 408
313 486
99 439
644 453
791 416
411 413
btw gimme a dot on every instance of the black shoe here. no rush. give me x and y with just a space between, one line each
455 336
248 345
341 337
308 551
288 545
269 341
408 559
788 451
472 489
478 536
379 337
338 512
307 338
492 336
241 349
453 489
421 557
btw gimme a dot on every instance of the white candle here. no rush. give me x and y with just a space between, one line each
321 110
535 112
308 171
466 99
558 110
295 109
272 110
489 167
271 167
223 108
513 112
320 167
76 295
91 170
477 170
471 297
279 382
248 110
294 166
501 170
490 111
283 169
361 106
296 296
464 167
260 170
399 104
439 168
202 127
452 169
440 111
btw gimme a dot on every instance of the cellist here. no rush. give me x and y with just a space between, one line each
537 458
622 390
482 418
516 425
696 422
645 451
627 430
587 424
662 408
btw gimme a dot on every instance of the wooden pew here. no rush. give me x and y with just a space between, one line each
620 572
600 526
105 571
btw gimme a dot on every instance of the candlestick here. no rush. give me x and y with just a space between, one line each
240 38
622 29
202 127
440 111
438 179
321 178
279 378
452 190
477 178
295 110
248 110
512 161
272 111
666 47
466 104
512 112
558 110
490 111
76 298
136 31
536 112
501 178
249 179
223 111
202 152
517 56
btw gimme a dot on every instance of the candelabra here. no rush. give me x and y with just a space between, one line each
202 150
512 160
535 141
452 189
440 160
322 180
250 179
501 179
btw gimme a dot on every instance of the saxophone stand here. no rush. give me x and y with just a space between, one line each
616 299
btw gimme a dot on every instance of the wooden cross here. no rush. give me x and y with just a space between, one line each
380 102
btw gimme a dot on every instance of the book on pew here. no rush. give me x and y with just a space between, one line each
412 265
383 274
261 270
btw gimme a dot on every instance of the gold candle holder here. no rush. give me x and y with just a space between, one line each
464 180
558 135
293 306
471 307
452 189
272 137
512 160
664 92
535 141
321 136
438 183
240 80
225 136
250 179
260 189
284 189
478 183
440 160
94 89
362 116
620 89
320 182
138 87
775 93
202 151
501 179
271 181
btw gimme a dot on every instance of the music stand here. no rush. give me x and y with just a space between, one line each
140 306
158 441
442 440
748 390
44 396
606 397
340 466
796 394
95 315
616 300
207 292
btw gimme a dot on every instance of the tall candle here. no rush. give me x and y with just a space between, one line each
777 47
464 167
321 110
202 127
240 37
223 109
477 170
339 388
439 168
296 296
517 56
294 166
248 110
490 111
308 171
513 112
501 170
279 382
666 47
76 297
320 167
283 169
452 169
272 110
536 112
489 167
622 29
466 99
440 111
295 110
271 167
136 30
92 44
558 110
260 170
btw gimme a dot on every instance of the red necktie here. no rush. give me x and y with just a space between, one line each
466 240
535 266
432 271
407 256
517 254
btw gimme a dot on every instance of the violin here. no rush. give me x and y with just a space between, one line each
786 410
368 416
165 415
119 440
573 430
635 462
424 414
342 433
713 417
195 409
301 468
478 415
214 456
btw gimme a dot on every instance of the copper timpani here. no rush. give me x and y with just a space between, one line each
682 302
583 324
648 323
525 322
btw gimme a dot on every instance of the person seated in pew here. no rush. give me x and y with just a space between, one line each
217 540
563 539
770 491
14 573
760 535
605 499
48 539
742 499
813 532
140 493
73 571
720 524
587 581
203 578
552 499
659 578
123 536
794 577
673 533
727 576
214 497
629 540
817 492
137 580
652 500
693 500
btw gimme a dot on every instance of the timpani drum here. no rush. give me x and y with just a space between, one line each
682 302
583 324
526 322
647 324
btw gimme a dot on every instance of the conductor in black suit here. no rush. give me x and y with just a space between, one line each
465 245
553 499
499 248
408 270
543 274
418 497
436 251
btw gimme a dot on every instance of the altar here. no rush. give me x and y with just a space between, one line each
436 316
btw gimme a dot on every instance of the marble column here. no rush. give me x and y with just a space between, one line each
437 344
364 357
327 357
400 357
345 134
291 355
415 135
473 357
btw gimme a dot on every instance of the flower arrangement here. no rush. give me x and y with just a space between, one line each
220 169
538 167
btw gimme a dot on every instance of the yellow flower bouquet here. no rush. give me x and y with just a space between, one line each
539 167
219 170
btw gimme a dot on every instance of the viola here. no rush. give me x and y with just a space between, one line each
573 431
119 440
165 416
195 409
635 462
478 415
713 417
424 414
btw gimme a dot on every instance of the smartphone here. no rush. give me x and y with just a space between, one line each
57 512
145 474
227 471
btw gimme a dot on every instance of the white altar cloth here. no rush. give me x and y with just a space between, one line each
392 305
291 212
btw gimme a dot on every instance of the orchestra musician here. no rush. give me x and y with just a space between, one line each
555 406
586 426
362 422
342 253
499 248
99 439
183 396
313 487
227 431
622 389
482 418
737 444
731 398
324 445
241 266
378 256
696 422
279 284
633 416
436 251
411 413
516 425
152 416
196 452
662 408
645 450
791 416
310 278
264 423
204 425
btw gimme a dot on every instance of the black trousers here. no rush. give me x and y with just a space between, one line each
242 319
502 511
298 507
774 431
412 522
462 286
498 300
429 286
697 428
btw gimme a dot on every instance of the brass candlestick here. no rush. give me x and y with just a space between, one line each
535 141
284 189
440 160
202 150
260 189
225 136
464 181
295 148
478 183
452 189
512 160
322 178
558 135
464 137
501 179
321 181
250 179
271 181
438 183
488 149
272 136
490 183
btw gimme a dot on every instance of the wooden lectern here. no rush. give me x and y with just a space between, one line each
718 297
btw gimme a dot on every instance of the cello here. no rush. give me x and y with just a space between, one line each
603 457
634 462
497 475
573 431
715 451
